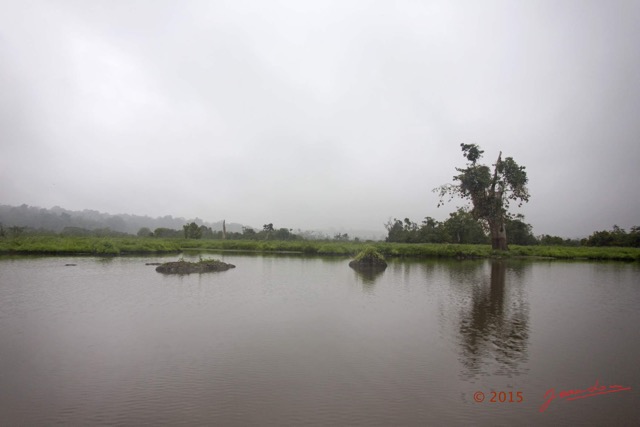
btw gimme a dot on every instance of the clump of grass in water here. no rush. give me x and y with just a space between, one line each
370 258
202 266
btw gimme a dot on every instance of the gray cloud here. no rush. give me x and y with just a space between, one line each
318 114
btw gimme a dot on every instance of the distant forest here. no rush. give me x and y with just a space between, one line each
460 227
24 220
62 221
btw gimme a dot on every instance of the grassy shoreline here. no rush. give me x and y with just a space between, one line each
58 245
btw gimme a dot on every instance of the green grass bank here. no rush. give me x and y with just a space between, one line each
59 245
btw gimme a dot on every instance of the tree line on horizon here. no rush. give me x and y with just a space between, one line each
195 231
488 220
268 232
462 228
25 219
62 220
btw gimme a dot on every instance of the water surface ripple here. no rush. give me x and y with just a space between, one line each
288 340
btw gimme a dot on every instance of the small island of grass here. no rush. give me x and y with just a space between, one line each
185 267
368 259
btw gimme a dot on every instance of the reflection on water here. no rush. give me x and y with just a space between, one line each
292 340
494 328
368 276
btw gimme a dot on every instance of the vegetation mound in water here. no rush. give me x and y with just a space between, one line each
185 267
369 258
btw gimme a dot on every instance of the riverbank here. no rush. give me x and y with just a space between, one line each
418 250
58 245
62 245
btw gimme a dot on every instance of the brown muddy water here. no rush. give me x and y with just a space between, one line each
290 341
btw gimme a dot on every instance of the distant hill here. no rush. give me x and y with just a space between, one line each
57 219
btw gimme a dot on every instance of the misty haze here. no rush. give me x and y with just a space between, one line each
284 213
314 115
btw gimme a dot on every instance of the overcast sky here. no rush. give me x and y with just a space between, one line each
318 114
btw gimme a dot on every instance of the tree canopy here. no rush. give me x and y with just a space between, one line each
490 192
460 227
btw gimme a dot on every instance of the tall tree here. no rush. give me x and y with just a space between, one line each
490 193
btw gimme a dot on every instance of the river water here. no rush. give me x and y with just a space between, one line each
289 341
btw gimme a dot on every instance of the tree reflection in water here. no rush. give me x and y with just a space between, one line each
495 328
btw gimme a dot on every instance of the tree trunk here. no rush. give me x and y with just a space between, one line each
498 236
224 229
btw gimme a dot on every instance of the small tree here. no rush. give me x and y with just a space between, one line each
462 227
145 232
520 232
284 234
248 233
205 232
268 229
548 240
395 231
163 232
341 237
490 193
192 231
432 231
